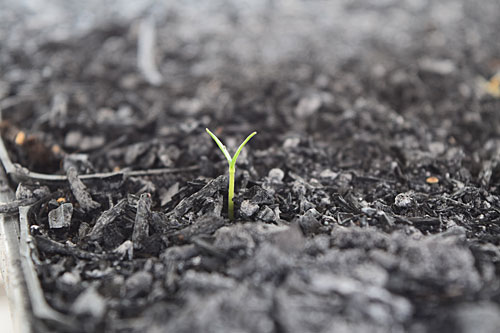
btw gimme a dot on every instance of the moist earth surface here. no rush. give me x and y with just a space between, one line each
367 202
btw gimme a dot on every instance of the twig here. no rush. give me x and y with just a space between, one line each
146 52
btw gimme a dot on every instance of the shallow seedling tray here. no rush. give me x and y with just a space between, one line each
40 308
17 173
26 300
11 264
27 303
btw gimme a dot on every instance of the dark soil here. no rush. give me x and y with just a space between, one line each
367 202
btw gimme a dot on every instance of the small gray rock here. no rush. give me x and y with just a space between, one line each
404 200
276 175
308 106
70 278
23 192
309 222
437 66
89 302
77 140
247 208
291 142
328 174
125 249
61 216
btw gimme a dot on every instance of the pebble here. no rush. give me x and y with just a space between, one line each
328 174
247 208
276 175
70 278
89 302
308 106
404 200
309 222
291 143
125 249
437 66
77 140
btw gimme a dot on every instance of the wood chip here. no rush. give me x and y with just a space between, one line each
141 225
79 190
107 218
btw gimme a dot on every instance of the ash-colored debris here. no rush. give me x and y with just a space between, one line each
106 218
89 302
267 263
327 284
369 309
438 262
179 253
206 224
289 240
474 317
244 309
138 284
369 238
235 241
82 142
205 283
61 216
26 192
344 289
353 278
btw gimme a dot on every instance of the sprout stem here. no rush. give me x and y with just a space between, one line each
232 168
230 203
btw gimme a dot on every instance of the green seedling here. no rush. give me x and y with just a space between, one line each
232 164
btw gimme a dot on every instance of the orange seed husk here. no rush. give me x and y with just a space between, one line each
432 180
20 138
